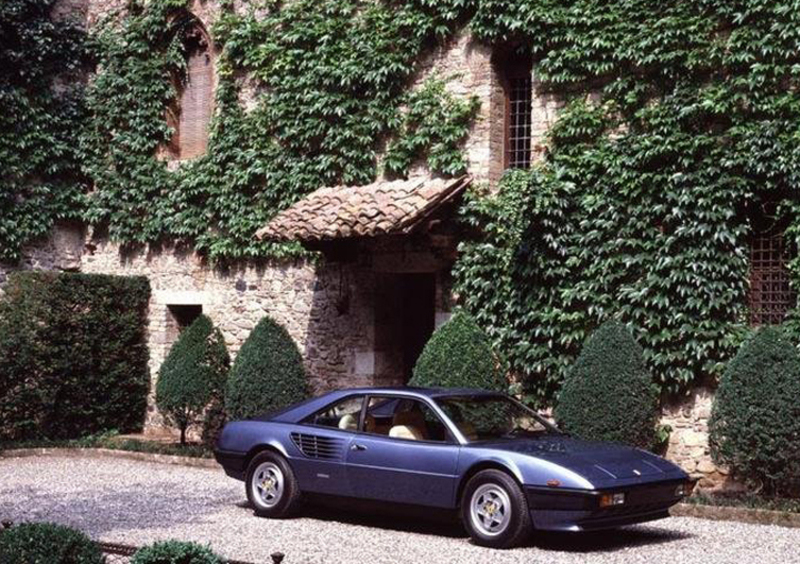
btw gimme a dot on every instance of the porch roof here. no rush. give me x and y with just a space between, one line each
381 208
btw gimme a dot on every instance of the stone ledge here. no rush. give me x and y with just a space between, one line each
112 453
743 514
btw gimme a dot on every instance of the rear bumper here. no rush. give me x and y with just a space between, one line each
232 462
579 510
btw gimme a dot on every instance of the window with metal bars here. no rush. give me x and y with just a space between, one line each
519 94
190 115
770 296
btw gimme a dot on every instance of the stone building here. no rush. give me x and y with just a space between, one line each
362 311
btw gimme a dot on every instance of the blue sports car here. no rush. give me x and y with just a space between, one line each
504 468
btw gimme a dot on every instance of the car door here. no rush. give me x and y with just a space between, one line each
388 463
320 446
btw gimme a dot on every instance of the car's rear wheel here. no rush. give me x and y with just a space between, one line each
271 486
494 510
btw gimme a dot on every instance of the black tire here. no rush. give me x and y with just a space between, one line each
506 504
285 499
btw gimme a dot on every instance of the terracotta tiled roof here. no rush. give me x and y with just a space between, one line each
381 208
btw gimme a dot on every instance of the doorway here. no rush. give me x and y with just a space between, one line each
405 315
417 317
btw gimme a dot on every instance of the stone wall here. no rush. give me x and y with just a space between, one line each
306 299
688 442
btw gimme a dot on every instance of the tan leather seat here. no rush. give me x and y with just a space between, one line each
408 425
348 422
406 432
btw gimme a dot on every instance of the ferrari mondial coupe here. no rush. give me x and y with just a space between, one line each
504 468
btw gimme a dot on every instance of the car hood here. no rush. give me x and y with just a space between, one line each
601 463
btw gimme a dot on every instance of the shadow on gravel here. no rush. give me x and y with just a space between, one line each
446 524
425 521
606 541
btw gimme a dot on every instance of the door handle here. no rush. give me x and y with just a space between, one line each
356 446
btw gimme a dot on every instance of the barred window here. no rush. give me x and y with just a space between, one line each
519 93
190 115
771 296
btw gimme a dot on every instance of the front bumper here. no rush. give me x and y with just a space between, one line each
556 509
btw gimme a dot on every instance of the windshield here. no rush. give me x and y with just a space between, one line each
484 418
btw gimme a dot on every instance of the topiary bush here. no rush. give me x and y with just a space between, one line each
268 373
459 355
73 355
175 552
47 543
193 375
608 394
755 420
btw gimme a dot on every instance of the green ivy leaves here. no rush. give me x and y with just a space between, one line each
331 78
681 120
40 178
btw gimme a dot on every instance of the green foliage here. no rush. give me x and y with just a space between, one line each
459 355
434 126
175 552
608 394
681 120
267 374
40 179
332 77
73 355
755 420
193 375
47 543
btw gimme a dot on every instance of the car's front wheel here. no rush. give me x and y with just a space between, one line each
271 486
494 510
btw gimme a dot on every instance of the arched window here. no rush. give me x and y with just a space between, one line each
191 113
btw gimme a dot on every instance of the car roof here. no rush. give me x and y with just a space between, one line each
303 409
419 391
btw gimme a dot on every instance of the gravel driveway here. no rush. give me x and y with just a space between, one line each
136 503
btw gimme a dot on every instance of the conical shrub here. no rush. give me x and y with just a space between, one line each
459 355
193 375
608 394
755 420
267 374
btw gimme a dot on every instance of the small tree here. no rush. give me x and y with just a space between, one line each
608 394
755 420
459 354
268 373
193 375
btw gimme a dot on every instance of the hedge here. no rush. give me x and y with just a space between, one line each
459 355
47 543
175 552
73 355
193 375
608 394
268 373
755 420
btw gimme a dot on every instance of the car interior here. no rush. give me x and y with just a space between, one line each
399 418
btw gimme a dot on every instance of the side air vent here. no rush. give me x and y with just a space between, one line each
314 446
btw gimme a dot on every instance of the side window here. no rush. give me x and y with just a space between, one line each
402 418
343 414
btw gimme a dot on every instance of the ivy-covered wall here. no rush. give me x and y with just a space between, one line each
681 122
332 83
